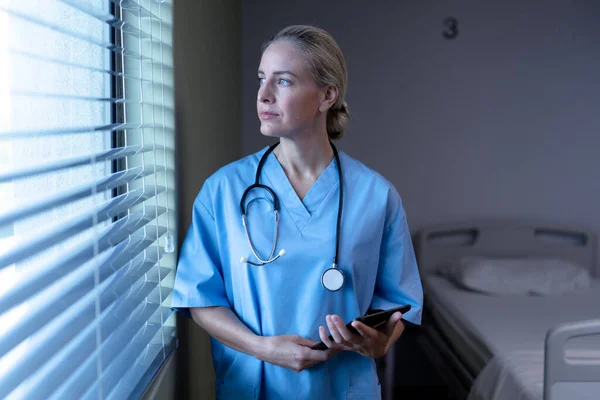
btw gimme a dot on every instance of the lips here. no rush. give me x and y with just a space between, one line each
268 115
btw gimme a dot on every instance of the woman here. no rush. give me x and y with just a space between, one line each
263 317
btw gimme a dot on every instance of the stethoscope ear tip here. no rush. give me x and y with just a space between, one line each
243 260
282 252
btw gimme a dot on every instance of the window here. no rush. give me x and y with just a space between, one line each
87 216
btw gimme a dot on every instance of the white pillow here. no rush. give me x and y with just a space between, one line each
517 275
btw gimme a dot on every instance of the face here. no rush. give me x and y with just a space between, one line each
289 101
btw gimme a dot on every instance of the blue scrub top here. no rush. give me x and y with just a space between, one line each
286 297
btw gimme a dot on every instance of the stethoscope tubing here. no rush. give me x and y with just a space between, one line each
275 199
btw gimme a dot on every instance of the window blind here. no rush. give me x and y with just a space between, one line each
87 197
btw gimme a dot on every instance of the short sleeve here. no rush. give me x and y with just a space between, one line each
199 279
398 281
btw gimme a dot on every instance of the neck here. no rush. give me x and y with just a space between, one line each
304 157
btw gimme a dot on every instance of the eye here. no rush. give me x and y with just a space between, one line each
283 81
261 80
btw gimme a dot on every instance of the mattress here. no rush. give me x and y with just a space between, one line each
501 338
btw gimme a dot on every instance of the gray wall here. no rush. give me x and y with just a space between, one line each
500 122
207 56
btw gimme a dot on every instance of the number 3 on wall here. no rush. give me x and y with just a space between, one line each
451 25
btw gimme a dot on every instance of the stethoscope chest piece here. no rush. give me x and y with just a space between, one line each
332 279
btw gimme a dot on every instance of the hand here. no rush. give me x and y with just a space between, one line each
293 352
369 342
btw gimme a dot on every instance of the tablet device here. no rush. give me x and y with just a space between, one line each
373 320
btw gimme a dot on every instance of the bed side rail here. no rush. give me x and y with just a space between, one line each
568 378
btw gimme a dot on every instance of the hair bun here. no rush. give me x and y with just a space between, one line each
337 120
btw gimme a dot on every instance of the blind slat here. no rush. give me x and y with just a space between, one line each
47 59
7 135
167 311
112 100
84 377
134 7
154 354
127 352
133 275
38 348
113 21
84 38
83 346
20 211
127 254
42 277
57 165
45 308
54 336
115 370
58 28
112 234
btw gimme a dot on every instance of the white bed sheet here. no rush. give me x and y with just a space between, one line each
507 333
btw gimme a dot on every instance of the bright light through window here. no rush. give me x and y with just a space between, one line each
40 92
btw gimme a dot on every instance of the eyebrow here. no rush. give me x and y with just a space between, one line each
280 73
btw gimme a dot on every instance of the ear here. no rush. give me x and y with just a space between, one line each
328 98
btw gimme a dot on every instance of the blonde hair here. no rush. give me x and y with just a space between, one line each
327 65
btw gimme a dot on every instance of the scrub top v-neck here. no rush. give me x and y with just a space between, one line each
300 210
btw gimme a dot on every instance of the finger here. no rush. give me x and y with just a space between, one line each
365 331
392 322
316 356
343 329
325 338
397 316
334 331
306 357
312 357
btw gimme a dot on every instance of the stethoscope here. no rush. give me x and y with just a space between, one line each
333 278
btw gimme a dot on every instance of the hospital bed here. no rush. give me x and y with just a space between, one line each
500 345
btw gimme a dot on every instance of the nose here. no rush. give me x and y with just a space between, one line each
265 94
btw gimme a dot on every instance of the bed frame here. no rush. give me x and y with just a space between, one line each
439 243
